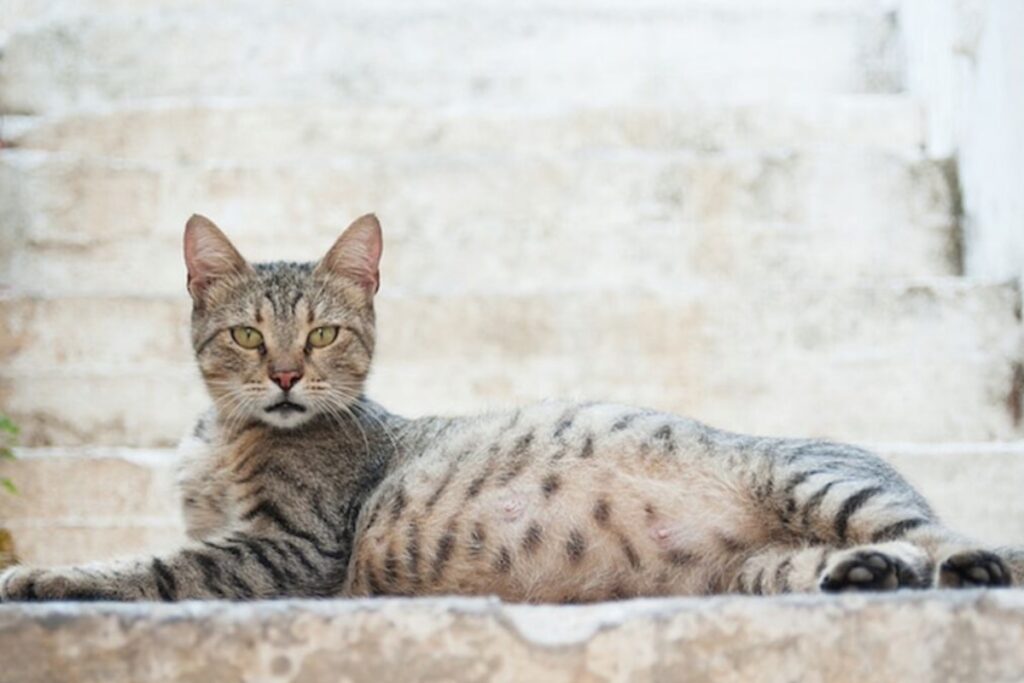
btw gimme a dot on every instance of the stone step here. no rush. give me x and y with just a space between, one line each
77 505
501 54
924 361
20 12
193 131
642 217
967 636
82 504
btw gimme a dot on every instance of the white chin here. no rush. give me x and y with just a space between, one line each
285 419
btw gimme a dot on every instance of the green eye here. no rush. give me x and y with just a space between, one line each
322 336
247 337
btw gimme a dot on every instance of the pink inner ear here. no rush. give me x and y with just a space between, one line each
356 254
208 254
373 264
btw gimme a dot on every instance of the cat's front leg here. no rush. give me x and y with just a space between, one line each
237 567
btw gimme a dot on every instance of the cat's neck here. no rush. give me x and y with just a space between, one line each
361 429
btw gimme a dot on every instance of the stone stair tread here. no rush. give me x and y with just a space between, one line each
970 636
364 55
752 215
644 256
27 12
225 128
153 329
928 360
56 199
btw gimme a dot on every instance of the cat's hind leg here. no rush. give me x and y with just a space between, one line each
843 496
875 567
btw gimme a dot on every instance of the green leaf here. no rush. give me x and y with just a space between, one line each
7 425
9 485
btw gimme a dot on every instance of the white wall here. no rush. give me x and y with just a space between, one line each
966 60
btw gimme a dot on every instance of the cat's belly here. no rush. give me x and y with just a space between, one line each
595 523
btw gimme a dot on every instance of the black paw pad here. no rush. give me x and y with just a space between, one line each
974 569
869 571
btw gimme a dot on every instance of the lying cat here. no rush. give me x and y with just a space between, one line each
300 486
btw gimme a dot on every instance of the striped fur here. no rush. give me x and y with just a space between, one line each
555 502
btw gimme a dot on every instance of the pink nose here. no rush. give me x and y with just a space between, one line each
286 379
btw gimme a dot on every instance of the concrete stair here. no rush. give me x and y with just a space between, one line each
268 130
927 361
659 217
964 636
367 53
84 504
721 208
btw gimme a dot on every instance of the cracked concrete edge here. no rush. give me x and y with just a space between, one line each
965 636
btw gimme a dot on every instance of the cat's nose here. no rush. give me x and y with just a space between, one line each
286 379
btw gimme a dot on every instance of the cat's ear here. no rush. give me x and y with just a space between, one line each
209 255
356 254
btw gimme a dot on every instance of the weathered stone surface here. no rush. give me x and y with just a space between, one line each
928 636
266 131
81 539
117 485
364 54
585 219
928 361
107 406
81 505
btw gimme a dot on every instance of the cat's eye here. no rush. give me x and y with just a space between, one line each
247 337
322 336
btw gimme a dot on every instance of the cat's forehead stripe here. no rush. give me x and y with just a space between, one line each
269 296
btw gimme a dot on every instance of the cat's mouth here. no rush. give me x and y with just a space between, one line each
285 408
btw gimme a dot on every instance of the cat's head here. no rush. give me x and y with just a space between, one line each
283 342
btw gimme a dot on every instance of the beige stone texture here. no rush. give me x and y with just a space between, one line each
588 219
368 53
964 636
931 361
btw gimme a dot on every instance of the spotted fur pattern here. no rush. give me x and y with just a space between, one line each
306 488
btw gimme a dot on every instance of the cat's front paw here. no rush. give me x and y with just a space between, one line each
24 584
18 584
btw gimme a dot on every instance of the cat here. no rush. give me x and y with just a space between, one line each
296 484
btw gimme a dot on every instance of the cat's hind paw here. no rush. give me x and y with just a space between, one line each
973 569
869 570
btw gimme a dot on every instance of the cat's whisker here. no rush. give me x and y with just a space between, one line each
233 408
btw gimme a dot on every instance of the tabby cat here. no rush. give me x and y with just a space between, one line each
298 485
